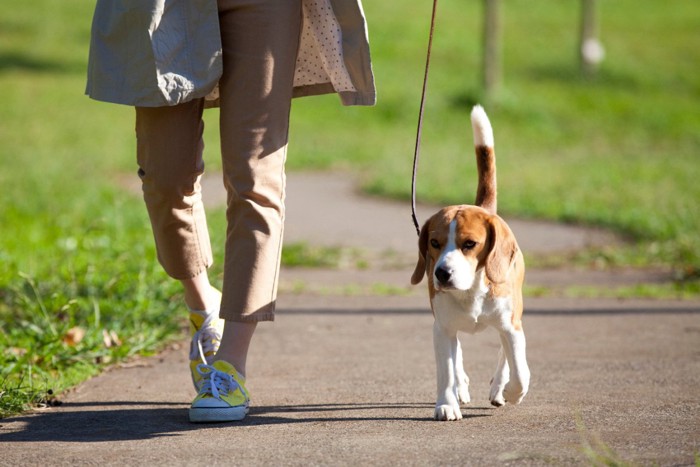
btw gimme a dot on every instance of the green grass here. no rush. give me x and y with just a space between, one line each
678 290
620 151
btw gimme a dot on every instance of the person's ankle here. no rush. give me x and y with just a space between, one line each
199 294
203 303
195 304
235 343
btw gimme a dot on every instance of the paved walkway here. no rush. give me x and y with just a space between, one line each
349 379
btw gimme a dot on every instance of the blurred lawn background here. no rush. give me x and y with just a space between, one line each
79 284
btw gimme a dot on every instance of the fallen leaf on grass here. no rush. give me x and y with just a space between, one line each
110 339
73 336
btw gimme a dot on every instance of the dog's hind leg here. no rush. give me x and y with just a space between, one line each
462 386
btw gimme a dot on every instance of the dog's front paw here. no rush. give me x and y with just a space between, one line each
513 393
496 393
463 392
497 400
447 412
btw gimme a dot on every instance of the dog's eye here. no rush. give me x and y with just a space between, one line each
468 245
434 243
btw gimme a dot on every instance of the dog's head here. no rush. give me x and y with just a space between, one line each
457 242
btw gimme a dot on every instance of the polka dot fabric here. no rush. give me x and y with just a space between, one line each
320 58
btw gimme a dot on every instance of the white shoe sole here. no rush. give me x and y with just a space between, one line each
218 414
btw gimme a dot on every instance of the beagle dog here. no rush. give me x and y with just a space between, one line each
475 275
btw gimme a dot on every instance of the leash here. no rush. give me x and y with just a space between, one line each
416 153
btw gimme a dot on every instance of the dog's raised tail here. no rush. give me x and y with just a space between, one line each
485 160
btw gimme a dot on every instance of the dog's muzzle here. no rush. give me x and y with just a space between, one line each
443 276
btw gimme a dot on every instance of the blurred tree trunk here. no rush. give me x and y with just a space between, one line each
590 49
492 47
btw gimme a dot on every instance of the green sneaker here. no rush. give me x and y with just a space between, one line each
222 397
206 329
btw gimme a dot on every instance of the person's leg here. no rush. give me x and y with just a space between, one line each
169 153
260 42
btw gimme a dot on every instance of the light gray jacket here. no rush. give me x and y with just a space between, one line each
154 53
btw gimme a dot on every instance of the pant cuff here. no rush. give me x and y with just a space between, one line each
254 318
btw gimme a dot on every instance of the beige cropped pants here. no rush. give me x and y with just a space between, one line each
260 41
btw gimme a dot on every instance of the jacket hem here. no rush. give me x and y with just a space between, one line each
346 97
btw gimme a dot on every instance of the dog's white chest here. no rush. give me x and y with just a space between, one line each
472 310
461 312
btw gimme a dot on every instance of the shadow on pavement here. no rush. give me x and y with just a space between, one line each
91 426
264 413
150 420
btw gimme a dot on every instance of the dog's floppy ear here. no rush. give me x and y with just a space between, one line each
419 272
503 249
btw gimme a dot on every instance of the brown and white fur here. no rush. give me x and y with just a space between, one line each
475 275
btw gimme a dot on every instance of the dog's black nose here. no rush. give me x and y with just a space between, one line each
443 275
